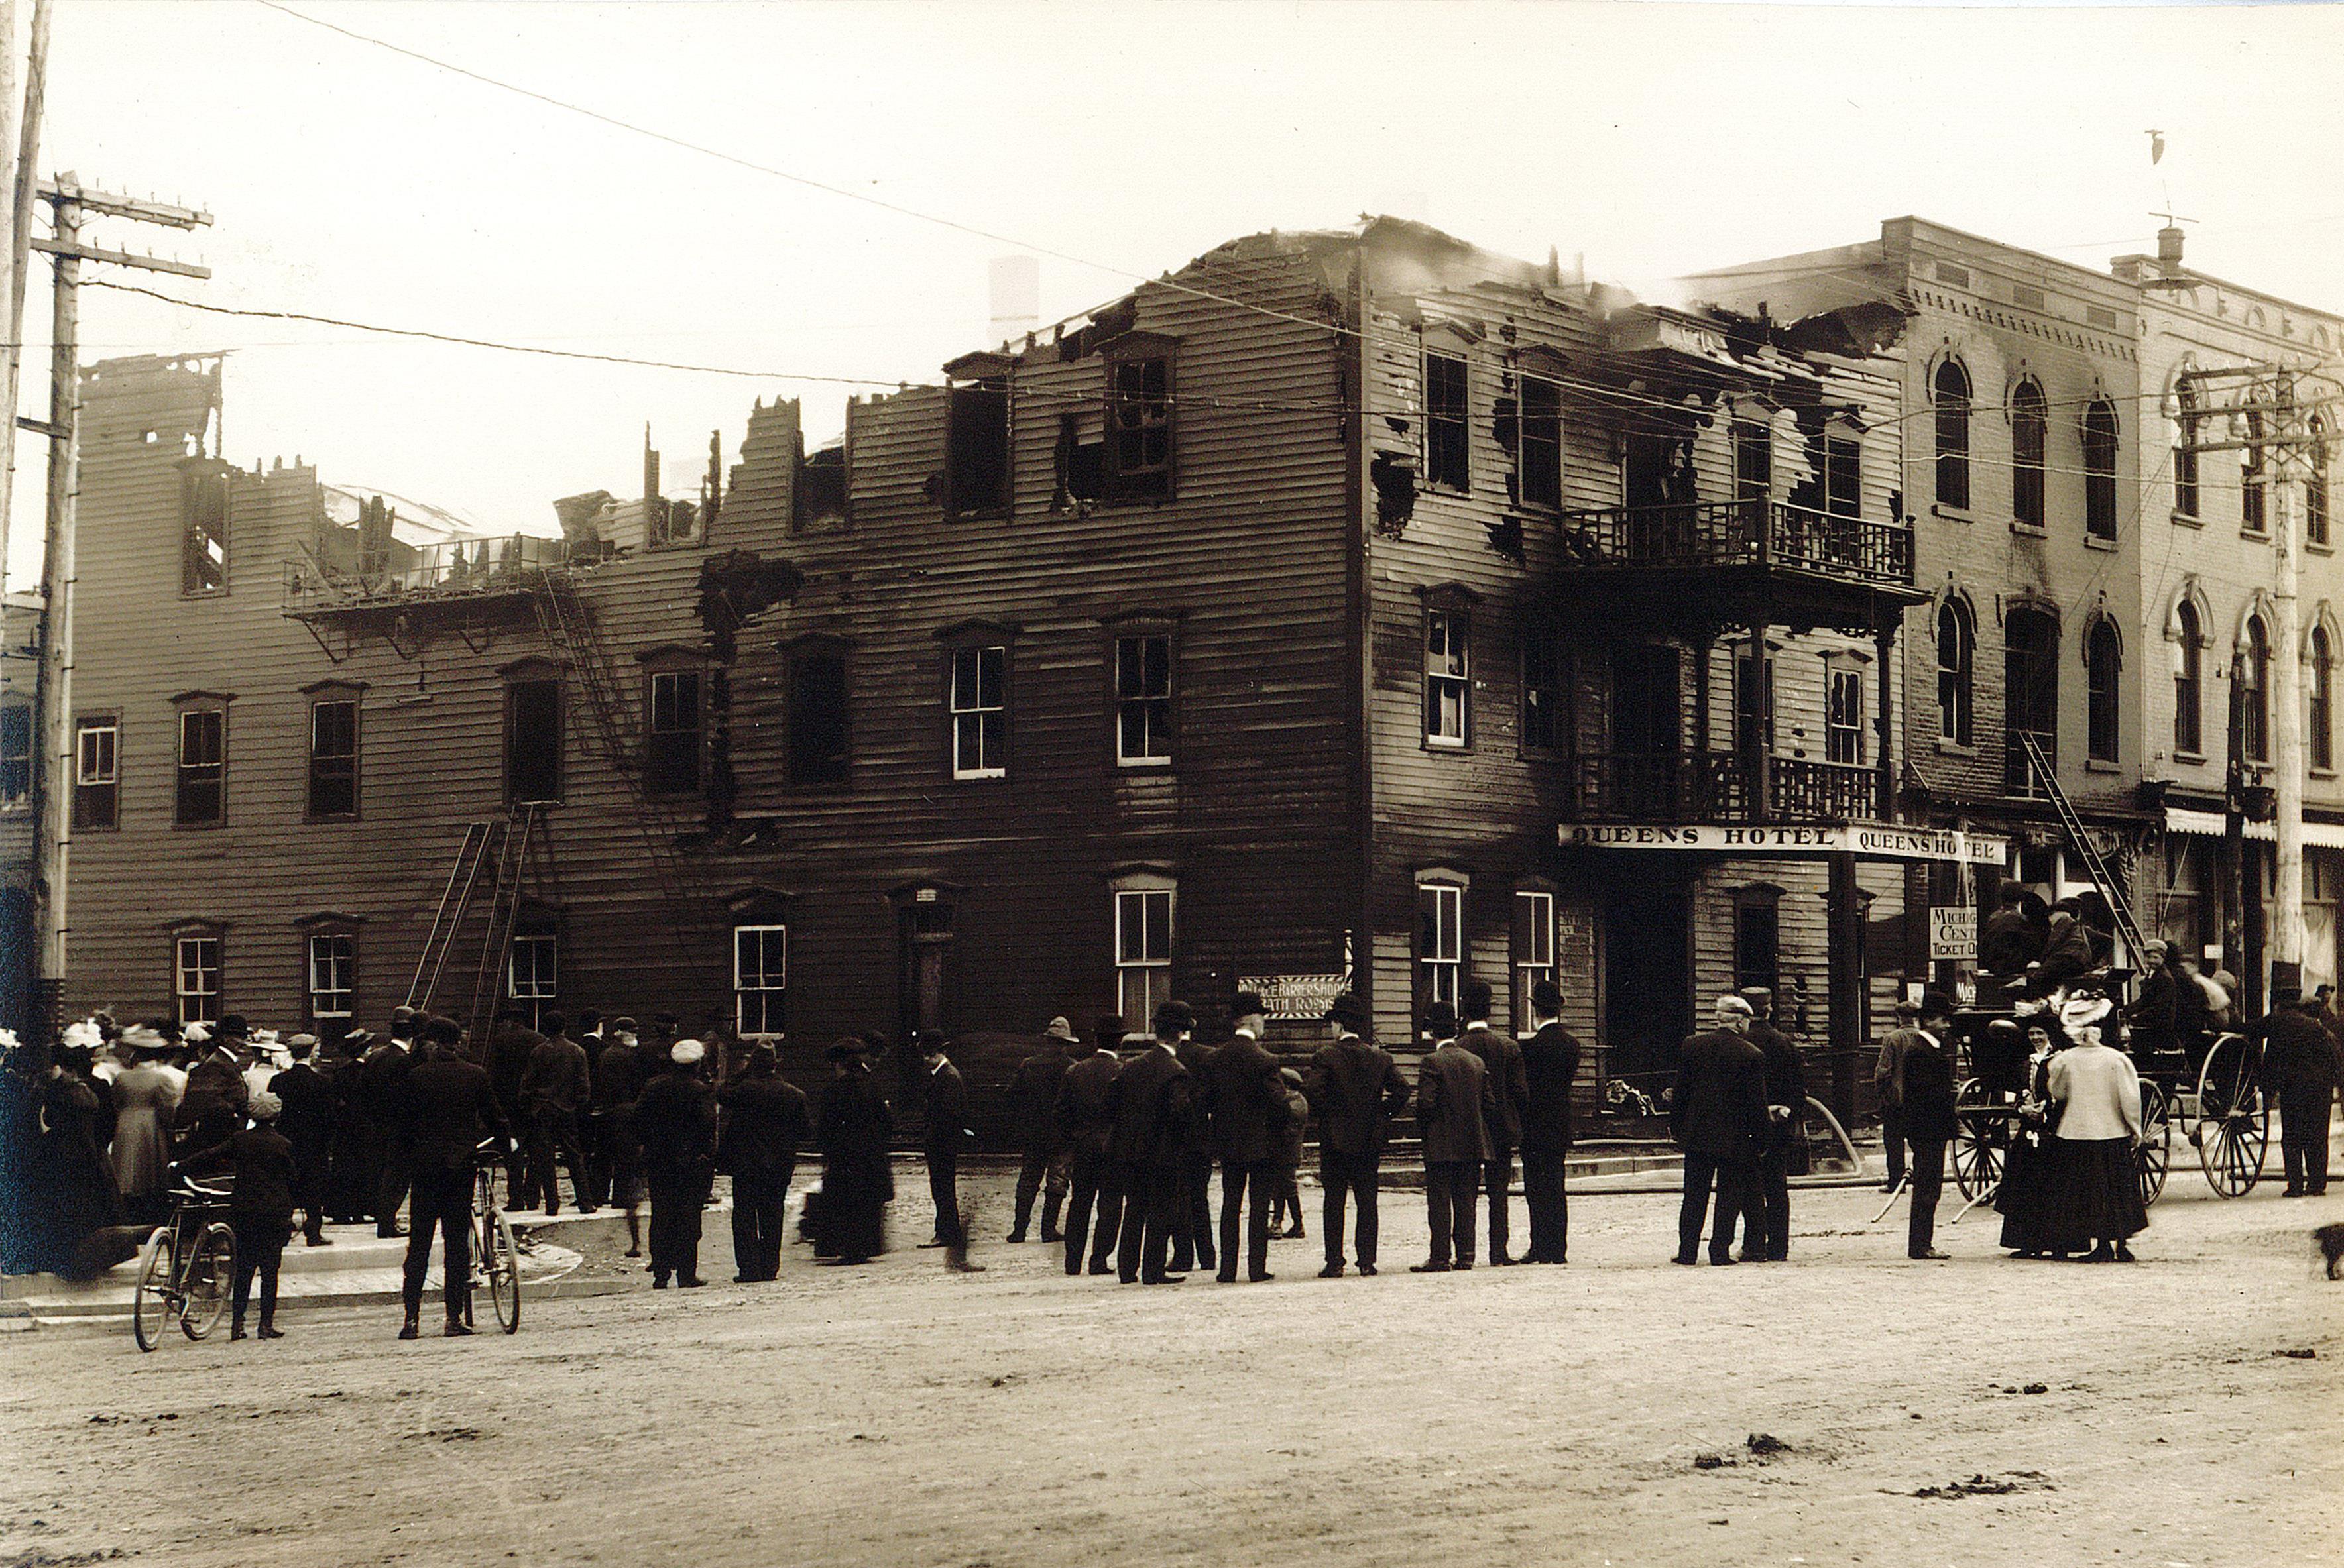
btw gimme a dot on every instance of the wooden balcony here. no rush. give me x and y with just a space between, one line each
449 573
1730 561
1714 786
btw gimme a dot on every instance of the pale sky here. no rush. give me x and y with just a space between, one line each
353 182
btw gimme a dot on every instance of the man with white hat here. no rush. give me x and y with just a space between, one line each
1718 1116
675 1123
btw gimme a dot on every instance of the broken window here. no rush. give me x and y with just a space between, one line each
533 741
1543 686
671 762
817 738
980 712
2029 429
16 754
1539 447
203 506
2100 470
1844 726
1753 461
1445 464
2030 682
821 490
1143 700
96 779
1080 466
1447 678
334 757
1844 477
976 447
201 797
1953 398
1139 428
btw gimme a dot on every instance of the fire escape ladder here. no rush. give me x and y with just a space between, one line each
512 846
2103 877
571 633
455 902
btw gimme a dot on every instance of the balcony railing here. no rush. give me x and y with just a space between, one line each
1748 532
452 568
1714 786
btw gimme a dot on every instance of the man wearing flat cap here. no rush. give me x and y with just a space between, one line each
1034 1119
1354 1089
1453 1105
675 1123
1718 1116
1248 1116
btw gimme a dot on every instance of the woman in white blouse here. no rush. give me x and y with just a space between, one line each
2094 1198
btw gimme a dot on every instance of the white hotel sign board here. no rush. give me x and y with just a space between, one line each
1881 839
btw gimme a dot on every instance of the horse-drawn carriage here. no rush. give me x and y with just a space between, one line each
2211 1086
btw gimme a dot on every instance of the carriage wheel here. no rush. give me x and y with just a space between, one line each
2154 1156
1981 1140
2234 1117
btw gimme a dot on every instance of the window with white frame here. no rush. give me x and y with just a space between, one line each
980 712
1143 952
97 780
196 978
333 975
532 973
1143 700
1448 677
1440 942
1843 732
1533 950
761 977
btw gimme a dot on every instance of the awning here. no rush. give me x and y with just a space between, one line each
2210 825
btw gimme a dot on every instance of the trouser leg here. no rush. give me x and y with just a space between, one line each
943 1187
1699 1169
1165 1194
1892 1136
1113 1213
1441 1181
1198 1197
1235 1180
1334 1181
1464 1197
1367 1197
1498 1176
747 1215
1775 1172
1136 1216
242 1291
1259 1201
390 1190
272 1258
1927 1164
1535 1169
1030 1187
572 1146
1083 1190
1732 1198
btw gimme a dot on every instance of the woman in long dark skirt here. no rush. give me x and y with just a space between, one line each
2094 1198
852 1129
2027 1175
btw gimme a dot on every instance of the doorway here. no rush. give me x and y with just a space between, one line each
1647 972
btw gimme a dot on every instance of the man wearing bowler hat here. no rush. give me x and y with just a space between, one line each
1354 1089
1149 1104
1717 1115
1549 1067
1453 1101
1248 1115
1510 1094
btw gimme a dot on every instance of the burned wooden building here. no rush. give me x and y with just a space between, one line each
1354 607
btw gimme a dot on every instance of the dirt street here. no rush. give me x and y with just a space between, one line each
1848 1407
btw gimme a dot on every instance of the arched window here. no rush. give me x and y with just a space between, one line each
2254 691
2184 452
2188 693
2030 638
1953 390
1956 657
2103 661
2251 476
2101 469
2315 486
2029 431
2319 717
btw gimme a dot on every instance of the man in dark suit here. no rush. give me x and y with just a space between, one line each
1034 1119
675 1124
511 1043
620 1072
1717 1116
1149 1103
1509 1097
1354 1089
1550 1068
1192 1213
2299 1061
765 1125
382 1075
1924 1093
212 1106
947 1134
1085 1124
306 1122
1766 1220
1888 1080
445 1108
2155 1016
556 1087
1453 1105
1248 1115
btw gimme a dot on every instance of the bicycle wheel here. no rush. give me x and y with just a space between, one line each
211 1271
504 1272
1981 1140
2154 1156
153 1303
2234 1118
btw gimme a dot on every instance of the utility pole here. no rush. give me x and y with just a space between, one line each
20 152
53 783
2289 940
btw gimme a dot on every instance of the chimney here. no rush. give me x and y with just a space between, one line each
650 465
2168 250
1015 287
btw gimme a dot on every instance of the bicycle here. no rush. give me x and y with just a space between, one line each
496 1257
186 1269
